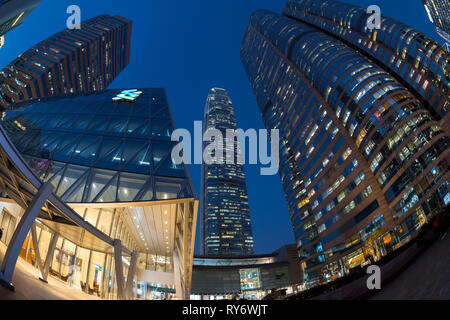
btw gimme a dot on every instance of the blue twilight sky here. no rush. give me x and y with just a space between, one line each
188 47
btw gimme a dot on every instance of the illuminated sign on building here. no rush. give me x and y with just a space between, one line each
128 96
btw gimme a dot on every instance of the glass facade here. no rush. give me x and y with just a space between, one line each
14 12
70 62
226 224
110 160
439 14
363 151
95 150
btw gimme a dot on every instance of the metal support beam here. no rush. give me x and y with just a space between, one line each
119 269
43 269
177 273
37 253
130 276
12 253
49 258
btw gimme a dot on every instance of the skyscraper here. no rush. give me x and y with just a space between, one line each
226 227
14 12
364 157
70 62
439 14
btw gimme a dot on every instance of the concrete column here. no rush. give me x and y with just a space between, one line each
119 268
12 253
130 276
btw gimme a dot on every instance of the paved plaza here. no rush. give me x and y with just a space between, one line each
427 278
29 287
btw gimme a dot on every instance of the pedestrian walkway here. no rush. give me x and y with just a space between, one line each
427 278
29 287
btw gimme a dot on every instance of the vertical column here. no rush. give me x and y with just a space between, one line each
119 268
72 267
104 276
177 275
61 258
49 258
88 273
131 274
12 253
37 253
28 246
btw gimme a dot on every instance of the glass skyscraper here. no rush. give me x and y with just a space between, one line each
70 62
439 14
108 156
361 114
225 213
14 12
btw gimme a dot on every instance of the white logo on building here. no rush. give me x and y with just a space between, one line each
128 96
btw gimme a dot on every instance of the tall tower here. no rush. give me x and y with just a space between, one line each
226 227
14 12
364 156
70 62
439 14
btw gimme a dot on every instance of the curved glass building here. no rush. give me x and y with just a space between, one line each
362 116
439 14
79 61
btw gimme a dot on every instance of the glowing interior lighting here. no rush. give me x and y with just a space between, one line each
18 18
125 261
